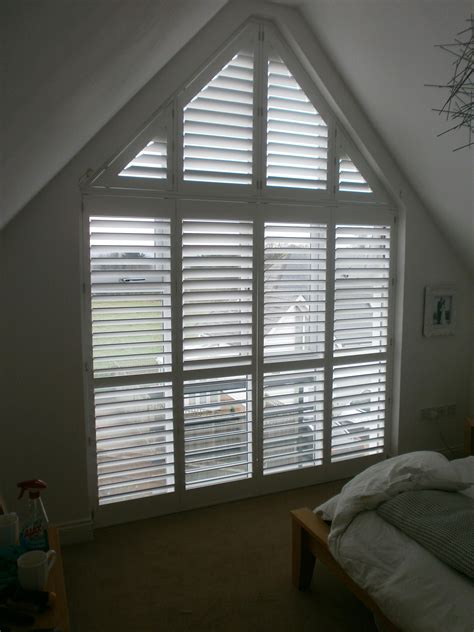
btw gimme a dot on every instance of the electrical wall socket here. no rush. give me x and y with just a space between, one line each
438 412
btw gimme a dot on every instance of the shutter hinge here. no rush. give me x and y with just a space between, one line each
391 342
394 281
89 441
84 288
86 367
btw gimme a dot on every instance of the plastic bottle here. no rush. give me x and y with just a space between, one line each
34 531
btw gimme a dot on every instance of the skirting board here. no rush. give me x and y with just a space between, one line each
75 532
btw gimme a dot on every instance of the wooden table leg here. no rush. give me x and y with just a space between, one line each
302 558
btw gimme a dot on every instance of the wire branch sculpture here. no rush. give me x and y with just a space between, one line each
459 105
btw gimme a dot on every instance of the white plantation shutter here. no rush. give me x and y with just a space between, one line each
294 290
297 135
130 295
358 410
362 284
217 430
293 403
134 439
217 292
218 126
131 336
294 303
349 177
150 162
361 321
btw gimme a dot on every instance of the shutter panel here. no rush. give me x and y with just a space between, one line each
130 295
294 290
292 420
362 283
218 126
358 410
350 178
217 430
150 162
134 439
297 136
217 293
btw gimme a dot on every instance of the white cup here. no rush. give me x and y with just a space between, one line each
33 569
8 529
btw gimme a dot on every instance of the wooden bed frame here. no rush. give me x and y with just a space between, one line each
310 542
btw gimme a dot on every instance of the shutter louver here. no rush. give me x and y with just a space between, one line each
297 136
217 430
130 295
217 293
358 410
294 291
150 162
350 178
134 439
362 283
293 403
218 126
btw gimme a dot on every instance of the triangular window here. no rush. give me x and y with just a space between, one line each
297 135
150 162
218 126
251 122
354 178
146 161
350 178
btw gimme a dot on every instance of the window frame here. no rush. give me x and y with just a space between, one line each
107 193
260 212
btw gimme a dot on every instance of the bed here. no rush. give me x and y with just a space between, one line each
407 587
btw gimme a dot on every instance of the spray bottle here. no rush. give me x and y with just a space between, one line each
34 531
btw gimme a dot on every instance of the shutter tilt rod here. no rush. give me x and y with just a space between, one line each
131 279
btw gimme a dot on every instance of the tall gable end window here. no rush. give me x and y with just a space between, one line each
240 275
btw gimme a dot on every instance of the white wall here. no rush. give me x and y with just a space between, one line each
44 430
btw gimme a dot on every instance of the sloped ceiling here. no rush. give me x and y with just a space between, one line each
69 66
72 64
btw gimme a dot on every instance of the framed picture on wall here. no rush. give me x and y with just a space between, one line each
439 316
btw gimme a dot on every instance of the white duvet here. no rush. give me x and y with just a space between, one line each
414 589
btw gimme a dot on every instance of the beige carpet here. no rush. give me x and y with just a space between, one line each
222 568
